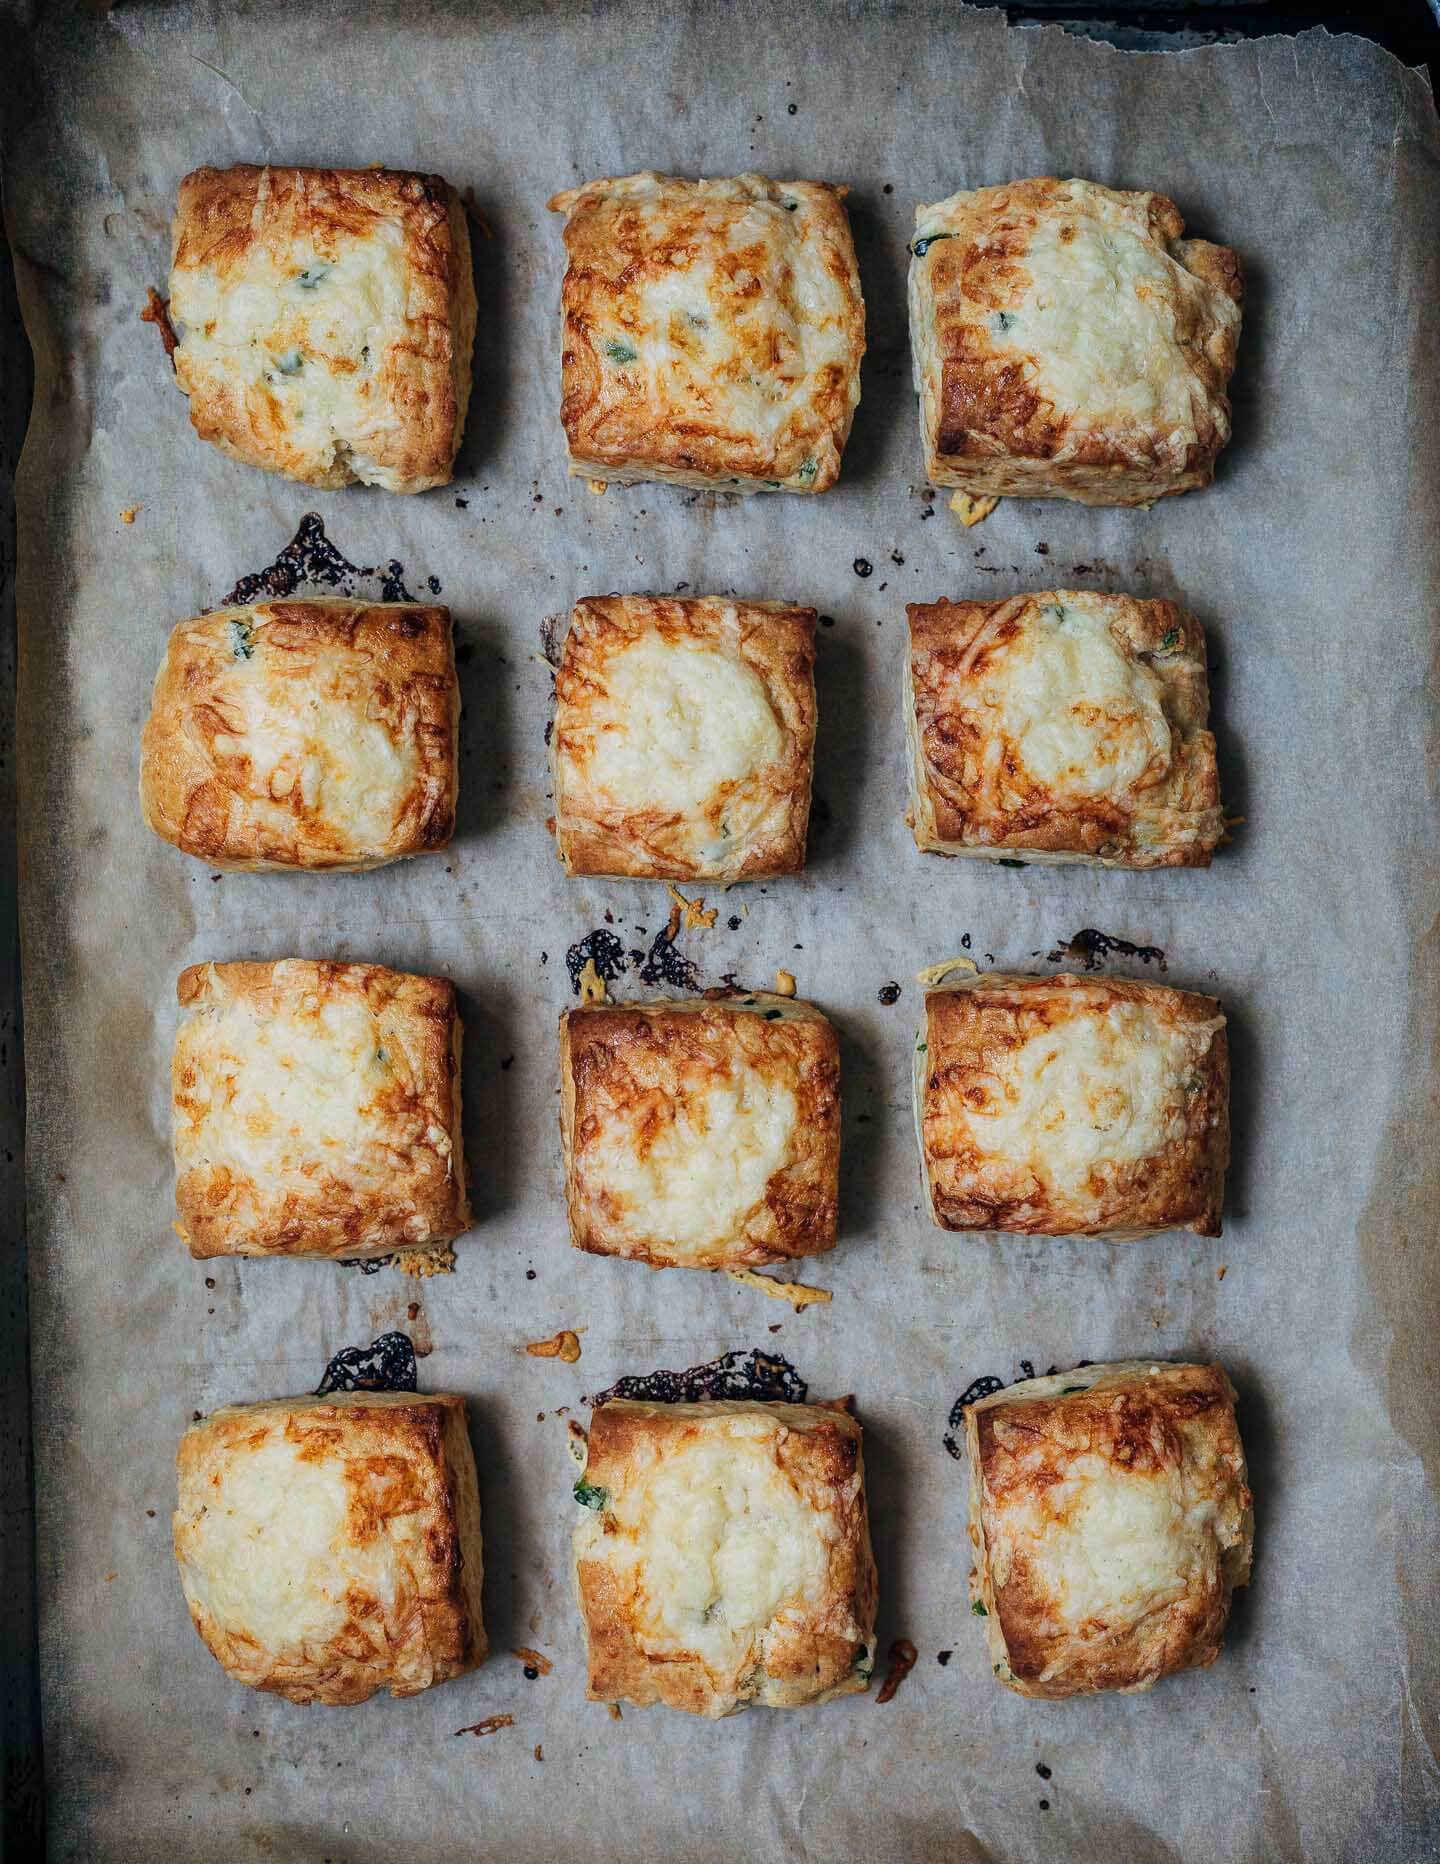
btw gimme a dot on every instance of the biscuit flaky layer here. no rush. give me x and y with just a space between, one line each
316 1110
684 737
1070 1106
712 331
304 734
1064 724
1069 343
724 1558
701 1134
1110 1521
330 1547
328 320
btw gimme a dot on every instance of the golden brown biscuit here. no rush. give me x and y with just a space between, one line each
1068 343
1110 1521
1068 725
317 1110
684 737
723 1557
1072 1106
713 331
304 734
328 316
701 1134
330 1547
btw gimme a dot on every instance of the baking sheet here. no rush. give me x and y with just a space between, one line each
1314 562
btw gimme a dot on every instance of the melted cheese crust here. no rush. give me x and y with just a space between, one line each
1068 343
304 734
1067 1106
701 1135
713 331
330 1547
316 1110
329 317
1067 724
729 1562
1110 1520
684 738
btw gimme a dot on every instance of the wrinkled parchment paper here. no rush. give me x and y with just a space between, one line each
1314 564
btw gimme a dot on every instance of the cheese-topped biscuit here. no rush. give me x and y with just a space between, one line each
723 1557
712 331
1110 1521
330 1547
1072 1106
1068 343
328 317
317 1110
1069 725
684 737
304 734
701 1134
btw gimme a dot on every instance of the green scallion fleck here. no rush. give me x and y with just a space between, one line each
242 644
619 352
926 241
978 1608
590 1496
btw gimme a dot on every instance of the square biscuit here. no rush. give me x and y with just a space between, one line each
1073 1106
316 1110
329 1547
1067 726
701 1134
723 1556
1110 1521
328 319
684 738
1069 343
304 735
712 331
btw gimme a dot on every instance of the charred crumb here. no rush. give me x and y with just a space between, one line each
964 941
863 567
733 922
462 504
1043 1771
387 1364
889 993
601 948
311 558
1042 550
1090 948
827 621
367 1265
897 559
752 1374
549 729
942 1657
432 583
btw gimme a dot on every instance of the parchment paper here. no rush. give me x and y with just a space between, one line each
1314 563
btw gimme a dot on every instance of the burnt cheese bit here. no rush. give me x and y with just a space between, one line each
600 948
749 1374
955 1423
311 560
1089 948
387 1364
